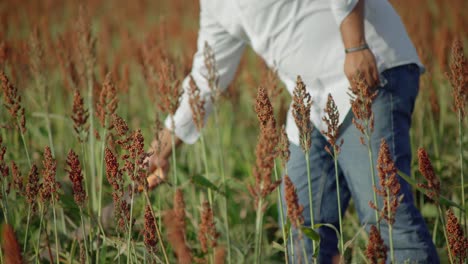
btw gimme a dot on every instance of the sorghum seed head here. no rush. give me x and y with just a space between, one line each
376 251
432 186
302 103
76 177
295 210
458 243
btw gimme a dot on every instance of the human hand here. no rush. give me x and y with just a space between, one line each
158 162
362 62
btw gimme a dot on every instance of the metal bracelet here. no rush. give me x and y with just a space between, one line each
359 48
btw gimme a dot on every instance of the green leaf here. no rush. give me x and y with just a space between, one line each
310 233
205 183
429 210
278 246
442 199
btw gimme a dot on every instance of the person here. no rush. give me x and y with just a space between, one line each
326 42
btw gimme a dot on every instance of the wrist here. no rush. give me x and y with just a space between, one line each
357 48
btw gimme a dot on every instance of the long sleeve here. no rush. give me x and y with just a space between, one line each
342 8
227 51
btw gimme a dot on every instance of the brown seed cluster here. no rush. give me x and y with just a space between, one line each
176 237
283 147
17 179
197 104
80 117
179 208
207 234
376 251
115 178
168 88
458 77
50 187
362 97
264 108
266 152
13 102
4 169
389 184
149 233
332 119
212 75
174 221
33 187
458 243
302 103
108 102
295 210
76 177
432 186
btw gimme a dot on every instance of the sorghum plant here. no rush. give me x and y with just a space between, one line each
332 118
389 191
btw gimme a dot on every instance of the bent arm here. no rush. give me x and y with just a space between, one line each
227 52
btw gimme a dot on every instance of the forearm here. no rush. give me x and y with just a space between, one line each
352 27
165 141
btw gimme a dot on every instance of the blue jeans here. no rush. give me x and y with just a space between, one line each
392 109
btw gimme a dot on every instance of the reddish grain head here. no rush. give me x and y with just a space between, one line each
389 185
432 186
13 102
332 118
207 234
295 210
149 233
76 177
376 251
458 243
362 97
50 187
458 77
197 104
80 117
302 103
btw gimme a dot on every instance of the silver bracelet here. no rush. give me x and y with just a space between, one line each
359 48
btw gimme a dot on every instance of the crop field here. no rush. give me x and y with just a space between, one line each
86 85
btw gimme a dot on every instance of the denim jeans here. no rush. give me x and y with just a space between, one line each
392 109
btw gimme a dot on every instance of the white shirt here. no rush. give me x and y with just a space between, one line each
297 37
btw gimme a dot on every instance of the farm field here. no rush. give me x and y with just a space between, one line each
86 85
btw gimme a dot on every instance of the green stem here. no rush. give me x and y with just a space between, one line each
174 160
24 144
39 233
83 227
258 233
27 230
157 228
92 160
223 177
462 176
390 228
309 182
283 223
55 231
291 240
205 164
337 179
129 235
304 251
371 162
4 203
101 171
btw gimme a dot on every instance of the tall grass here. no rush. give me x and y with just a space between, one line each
55 75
